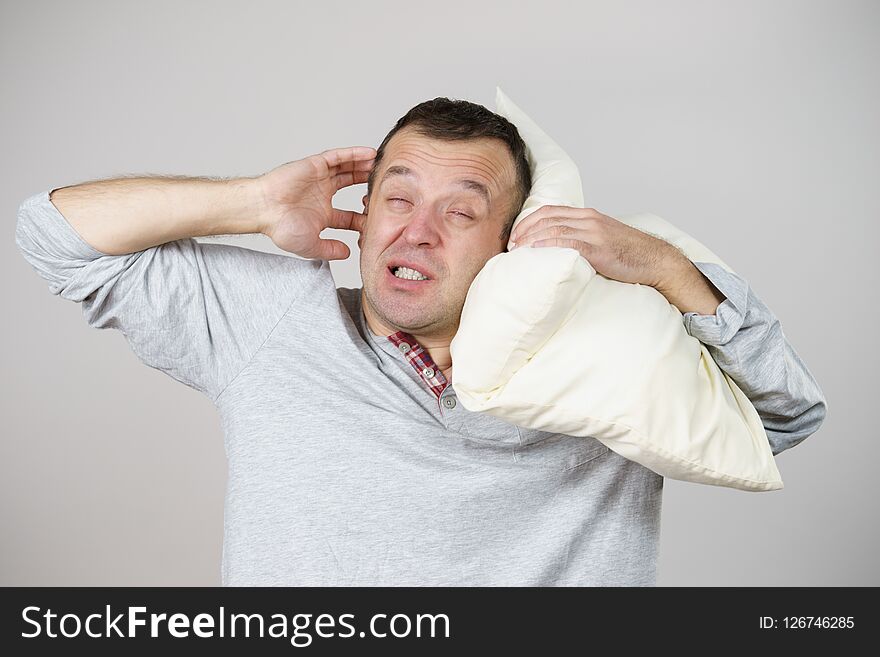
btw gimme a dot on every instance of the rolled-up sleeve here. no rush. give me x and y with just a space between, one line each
195 311
747 342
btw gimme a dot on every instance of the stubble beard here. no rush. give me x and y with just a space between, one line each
408 317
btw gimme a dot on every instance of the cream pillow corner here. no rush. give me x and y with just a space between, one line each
640 384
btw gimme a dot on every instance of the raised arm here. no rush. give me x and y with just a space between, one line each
718 308
198 312
291 204
125 215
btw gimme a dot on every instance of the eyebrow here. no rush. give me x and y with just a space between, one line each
466 183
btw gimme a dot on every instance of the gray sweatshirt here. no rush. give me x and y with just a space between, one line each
344 467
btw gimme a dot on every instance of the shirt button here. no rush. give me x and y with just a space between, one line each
404 347
428 372
449 402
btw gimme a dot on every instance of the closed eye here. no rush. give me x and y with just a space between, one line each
403 200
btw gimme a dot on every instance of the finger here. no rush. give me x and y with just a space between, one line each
577 245
336 156
364 165
349 178
546 214
347 220
529 222
561 229
349 165
333 250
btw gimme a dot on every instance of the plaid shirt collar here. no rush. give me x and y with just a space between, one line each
421 361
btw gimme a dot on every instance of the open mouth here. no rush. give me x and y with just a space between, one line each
406 280
404 273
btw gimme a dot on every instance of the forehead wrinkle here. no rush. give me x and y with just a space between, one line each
464 183
483 156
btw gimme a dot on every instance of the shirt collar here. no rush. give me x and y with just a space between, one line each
405 346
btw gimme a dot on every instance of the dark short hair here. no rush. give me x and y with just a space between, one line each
461 120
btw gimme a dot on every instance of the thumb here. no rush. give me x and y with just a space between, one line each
347 219
333 250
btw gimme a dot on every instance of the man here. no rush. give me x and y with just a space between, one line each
350 460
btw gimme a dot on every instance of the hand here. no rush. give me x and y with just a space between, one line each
615 250
297 201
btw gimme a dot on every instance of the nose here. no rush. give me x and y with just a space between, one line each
422 228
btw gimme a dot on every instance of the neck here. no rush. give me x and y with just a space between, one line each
436 346
439 352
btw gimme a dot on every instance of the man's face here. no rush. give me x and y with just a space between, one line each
432 221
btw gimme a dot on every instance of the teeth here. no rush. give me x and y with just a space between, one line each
409 274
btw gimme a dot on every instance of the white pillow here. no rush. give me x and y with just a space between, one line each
547 343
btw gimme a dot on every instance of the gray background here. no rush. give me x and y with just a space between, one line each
750 125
